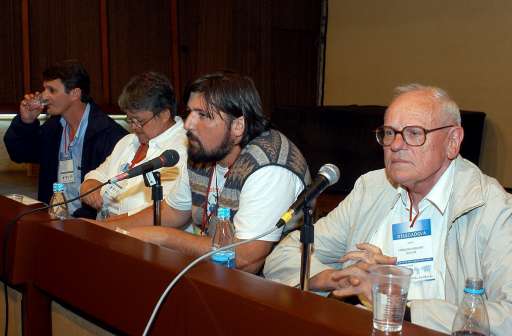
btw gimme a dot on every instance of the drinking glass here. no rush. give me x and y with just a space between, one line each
390 285
37 103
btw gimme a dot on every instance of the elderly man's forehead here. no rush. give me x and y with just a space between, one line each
414 103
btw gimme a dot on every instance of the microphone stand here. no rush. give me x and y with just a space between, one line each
152 179
307 235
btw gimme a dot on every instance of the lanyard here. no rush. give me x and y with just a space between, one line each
206 217
67 137
66 140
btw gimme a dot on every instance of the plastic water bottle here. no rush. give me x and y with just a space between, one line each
471 318
110 195
104 212
224 235
59 211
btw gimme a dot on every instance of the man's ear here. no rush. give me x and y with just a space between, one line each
238 127
76 93
455 137
165 115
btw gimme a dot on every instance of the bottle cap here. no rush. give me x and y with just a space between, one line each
58 187
474 286
223 213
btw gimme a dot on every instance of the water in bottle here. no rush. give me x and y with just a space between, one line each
104 212
59 211
224 234
471 318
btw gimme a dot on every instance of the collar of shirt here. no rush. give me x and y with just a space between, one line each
76 148
80 132
438 195
221 172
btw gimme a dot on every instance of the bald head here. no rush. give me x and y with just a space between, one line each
448 110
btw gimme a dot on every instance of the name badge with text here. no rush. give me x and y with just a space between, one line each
413 248
66 173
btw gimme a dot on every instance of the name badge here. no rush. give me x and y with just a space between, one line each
124 167
110 194
66 171
112 190
413 248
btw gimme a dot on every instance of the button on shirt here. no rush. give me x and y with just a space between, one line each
73 147
433 207
132 195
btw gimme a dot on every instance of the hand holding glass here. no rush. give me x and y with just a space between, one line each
37 102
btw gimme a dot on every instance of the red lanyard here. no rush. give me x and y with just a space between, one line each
67 136
412 220
206 217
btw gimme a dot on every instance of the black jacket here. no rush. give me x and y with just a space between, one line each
33 143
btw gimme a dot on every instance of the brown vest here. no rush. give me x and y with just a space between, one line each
271 148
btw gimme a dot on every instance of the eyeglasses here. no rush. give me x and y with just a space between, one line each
137 124
412 135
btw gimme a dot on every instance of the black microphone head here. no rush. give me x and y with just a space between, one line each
169 158
330 172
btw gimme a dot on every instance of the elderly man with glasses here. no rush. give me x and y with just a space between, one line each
456 220
149 102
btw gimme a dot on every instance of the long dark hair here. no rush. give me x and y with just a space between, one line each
235 95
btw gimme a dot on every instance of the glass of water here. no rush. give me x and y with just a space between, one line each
390 285
37 103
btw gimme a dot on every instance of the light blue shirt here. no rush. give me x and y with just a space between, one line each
75 146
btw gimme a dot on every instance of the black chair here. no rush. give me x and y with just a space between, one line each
344 135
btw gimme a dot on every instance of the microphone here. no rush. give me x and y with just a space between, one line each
167 159
327 175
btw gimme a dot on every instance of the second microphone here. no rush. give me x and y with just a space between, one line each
167 159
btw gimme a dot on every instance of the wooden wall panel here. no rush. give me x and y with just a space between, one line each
11 80
139 40
227 34
206 37
295 45
252 52
65 29
274 42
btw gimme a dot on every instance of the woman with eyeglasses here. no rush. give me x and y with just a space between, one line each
149 102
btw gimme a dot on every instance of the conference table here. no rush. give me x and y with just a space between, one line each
113 281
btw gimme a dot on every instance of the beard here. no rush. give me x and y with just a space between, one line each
197 153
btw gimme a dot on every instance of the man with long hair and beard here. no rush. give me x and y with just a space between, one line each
236 161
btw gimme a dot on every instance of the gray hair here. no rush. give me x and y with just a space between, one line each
151 91
449 109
